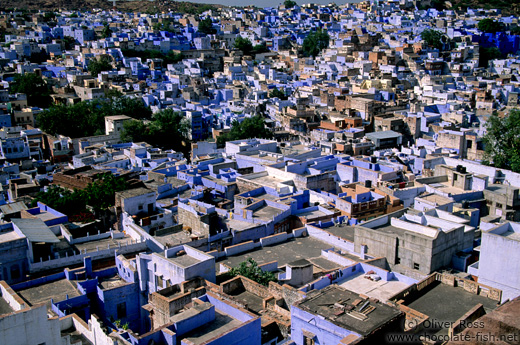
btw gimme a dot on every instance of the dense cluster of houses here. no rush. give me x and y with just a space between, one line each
370 205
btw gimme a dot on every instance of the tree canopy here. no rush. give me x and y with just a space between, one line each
167 129
502 141
432 38
250 269
104 63
278 93
107 32
315 42
99 195
206 26
251 127
87 118
488 54
289 3
489 25
34 87
244 44
260 48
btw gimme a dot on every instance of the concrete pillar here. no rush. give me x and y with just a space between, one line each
87 263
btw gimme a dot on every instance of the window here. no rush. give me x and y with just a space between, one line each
121 310
415 266
308 341
15 272
499 205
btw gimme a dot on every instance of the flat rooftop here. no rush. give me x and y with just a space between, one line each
173 238
350 316
439 200
511 235
381 290
130 193
57 290
390 229
184 260
447 303
102 244
238 225
500 188
446 187
112 282
268 181
9 236
266 196
283 253
252 301
45 216
344 231
220 325
266 212
5 308
312 214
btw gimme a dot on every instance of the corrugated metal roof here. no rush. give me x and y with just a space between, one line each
13 207
35 230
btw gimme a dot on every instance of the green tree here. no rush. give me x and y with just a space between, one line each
34 87
489 25
206 26
96 66
315 42
289 3
134 131
167 129
107 32
133 107
488 54
502 141
68 42
162 27
432 38
99 195
88 117
260 48
49 17
251 127
250 269
113 93
278 93
172 57
243 44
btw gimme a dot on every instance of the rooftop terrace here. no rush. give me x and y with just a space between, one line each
381 289
57 291
447 303
353 316
220 325
283 253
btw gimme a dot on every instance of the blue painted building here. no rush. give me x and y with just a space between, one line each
335 316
